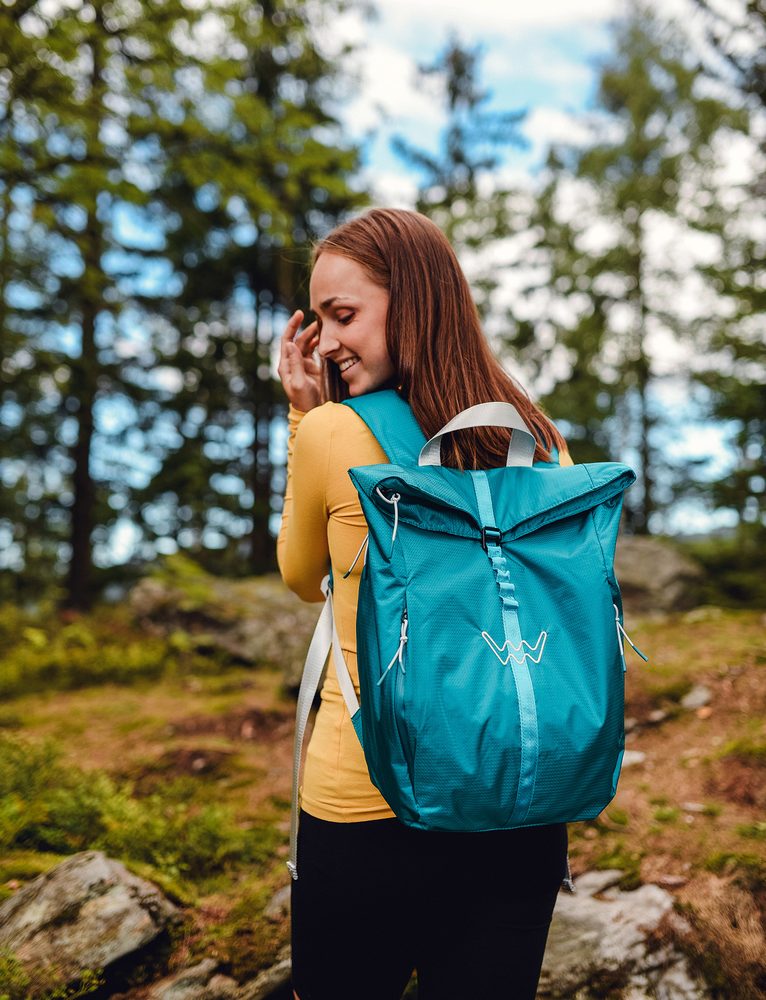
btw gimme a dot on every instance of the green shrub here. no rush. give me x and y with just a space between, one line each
45 806
627 861
745 750
753 831
44 652
733 567
666 814
14 982
749 870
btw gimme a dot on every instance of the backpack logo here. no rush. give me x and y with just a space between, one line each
513 651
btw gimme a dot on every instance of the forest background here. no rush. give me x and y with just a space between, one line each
164 167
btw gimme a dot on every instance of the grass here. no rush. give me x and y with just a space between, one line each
50 808
747 750
102 754
624 858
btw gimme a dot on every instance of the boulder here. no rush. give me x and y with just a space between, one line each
599 945
252 621
271 982
198 982
83 914
654 576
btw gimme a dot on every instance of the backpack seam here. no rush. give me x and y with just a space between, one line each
597 532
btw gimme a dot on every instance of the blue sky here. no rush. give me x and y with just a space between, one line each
543 64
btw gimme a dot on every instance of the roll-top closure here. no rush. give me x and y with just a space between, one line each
524 499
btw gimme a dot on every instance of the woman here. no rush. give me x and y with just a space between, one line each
376 899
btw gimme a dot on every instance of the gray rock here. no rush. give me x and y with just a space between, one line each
704 613
255 621
697 697
654 576
601 931
278 906
198 982
633 757
270 980
83 914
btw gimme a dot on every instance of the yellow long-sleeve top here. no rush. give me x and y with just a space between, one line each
323 523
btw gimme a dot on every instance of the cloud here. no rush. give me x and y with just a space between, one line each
545 125
491 16
389 90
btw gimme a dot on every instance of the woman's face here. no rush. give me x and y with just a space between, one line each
351 316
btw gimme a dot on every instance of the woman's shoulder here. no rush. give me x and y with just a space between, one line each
325 417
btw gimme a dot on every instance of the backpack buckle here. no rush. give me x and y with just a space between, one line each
492 535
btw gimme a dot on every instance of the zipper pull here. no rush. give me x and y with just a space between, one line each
400 651
622 633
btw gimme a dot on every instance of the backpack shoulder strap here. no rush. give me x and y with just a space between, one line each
392 422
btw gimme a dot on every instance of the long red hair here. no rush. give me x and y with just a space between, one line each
433 335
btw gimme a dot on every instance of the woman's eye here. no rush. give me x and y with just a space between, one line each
345 319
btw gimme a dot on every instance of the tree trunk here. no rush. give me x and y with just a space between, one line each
79 593
262 558
84 380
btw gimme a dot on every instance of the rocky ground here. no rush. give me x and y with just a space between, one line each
671 878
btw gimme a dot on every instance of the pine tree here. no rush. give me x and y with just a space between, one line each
29 90
459 191
735 338
69 175
248 187
156 180
607 297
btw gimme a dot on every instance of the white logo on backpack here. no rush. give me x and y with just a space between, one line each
527 653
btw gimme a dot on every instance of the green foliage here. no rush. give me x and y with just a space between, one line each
598 285
46 652
625 860
749 869
227 159
618 816
470 213
245 940
46 806
747 750
14 982
753 831
89 981
733 567
666 814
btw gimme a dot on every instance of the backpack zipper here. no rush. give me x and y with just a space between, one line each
620 633
399 654
398 707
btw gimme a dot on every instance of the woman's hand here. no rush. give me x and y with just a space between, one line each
300 372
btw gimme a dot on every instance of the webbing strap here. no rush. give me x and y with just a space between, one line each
525 691
325 635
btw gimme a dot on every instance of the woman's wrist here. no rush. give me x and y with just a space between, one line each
294 412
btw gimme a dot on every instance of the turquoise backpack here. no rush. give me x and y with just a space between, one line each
489 631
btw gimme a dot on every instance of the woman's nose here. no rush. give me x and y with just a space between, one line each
328 344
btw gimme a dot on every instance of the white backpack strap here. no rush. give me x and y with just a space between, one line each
325 636
521 449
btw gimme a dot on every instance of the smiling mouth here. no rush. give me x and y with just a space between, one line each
348 364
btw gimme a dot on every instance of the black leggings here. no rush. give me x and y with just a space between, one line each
469 911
